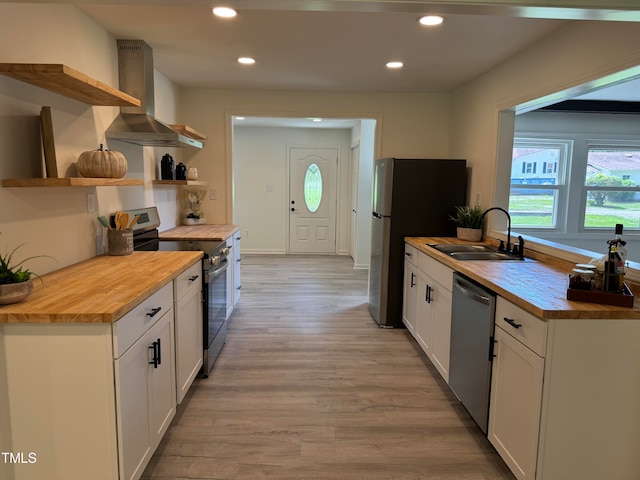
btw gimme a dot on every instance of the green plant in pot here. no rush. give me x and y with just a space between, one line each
470 222
15 280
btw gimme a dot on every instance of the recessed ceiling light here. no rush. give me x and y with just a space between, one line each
431 20
395 65
246 60
224 12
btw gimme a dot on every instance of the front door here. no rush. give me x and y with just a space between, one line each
312 200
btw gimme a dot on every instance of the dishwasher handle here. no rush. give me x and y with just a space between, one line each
467 292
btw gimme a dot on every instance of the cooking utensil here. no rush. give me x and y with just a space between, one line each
122 220
104 222
133 222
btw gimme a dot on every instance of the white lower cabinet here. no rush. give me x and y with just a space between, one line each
188 328
427 306
145 396
233 272
564 400
145 390
516 393
410 290
92 401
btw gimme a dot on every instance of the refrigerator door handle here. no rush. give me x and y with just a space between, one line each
377 215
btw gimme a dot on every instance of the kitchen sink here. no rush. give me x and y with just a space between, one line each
476 252
451 248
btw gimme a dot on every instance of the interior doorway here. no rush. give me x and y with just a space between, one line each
259 174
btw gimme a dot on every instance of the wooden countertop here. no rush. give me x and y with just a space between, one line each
200 232
539 287
99 290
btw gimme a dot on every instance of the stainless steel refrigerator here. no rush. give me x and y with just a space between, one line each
411 198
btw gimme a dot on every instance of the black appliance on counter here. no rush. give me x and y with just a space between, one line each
411 198
214 278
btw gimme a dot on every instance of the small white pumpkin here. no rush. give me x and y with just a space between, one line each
102 164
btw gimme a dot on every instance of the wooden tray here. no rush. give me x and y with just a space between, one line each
623 299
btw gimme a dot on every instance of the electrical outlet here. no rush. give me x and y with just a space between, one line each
246 233
213 194
91 203
477 199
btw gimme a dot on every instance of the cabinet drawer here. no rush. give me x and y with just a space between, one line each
529 330
135 323
411 253
436 270
188 280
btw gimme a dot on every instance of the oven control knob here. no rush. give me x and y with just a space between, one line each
225 251
215 260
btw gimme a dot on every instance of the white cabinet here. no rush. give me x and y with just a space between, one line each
237 259
100 395
516 395
410 291
233 272
562 402
144 381
187 289
427 306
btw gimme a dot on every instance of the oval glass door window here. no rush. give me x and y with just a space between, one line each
313 188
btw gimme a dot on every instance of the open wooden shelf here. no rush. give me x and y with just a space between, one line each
179 182
70 182
187 131
66 81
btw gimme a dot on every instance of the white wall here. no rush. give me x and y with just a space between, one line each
261 188
54 221
410 125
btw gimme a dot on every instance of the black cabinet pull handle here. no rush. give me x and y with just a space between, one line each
428 294
159 353
154 312
408 254
413 283
154 361
512 322
194 278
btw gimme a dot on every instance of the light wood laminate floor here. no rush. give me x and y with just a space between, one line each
308 387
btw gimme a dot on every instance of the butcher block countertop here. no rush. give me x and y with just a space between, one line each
99 290
539 287
200 232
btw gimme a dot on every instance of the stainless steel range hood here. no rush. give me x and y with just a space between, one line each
137 124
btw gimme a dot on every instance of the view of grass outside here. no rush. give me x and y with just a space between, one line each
537 211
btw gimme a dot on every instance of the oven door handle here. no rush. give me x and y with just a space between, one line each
211 274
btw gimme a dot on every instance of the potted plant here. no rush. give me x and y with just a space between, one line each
15 280
193 211
470 222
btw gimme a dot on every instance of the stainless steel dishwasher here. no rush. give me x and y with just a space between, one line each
472 323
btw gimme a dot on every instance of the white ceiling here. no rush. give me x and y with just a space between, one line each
337 45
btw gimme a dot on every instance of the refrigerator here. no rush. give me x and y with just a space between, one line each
411 198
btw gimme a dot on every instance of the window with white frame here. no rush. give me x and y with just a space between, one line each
611 189
537 189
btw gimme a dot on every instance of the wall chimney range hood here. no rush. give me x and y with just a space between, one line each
137 125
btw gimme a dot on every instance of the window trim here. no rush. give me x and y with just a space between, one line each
561 187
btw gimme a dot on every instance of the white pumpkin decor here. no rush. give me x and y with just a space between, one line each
102 164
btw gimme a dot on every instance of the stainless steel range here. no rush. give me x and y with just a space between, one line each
214 294
214 275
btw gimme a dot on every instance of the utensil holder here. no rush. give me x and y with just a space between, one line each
120 242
